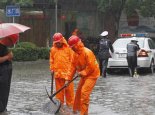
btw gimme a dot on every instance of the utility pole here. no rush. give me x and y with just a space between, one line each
56 15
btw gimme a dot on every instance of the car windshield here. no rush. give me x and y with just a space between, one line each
122 43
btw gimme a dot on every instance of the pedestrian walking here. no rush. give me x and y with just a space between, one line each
75 32
87 68
60 63
80 34
132 49
103 55
6 57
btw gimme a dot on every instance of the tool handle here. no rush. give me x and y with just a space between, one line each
52 81
49 96
63 87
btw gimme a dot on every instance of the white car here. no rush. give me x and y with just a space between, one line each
146 54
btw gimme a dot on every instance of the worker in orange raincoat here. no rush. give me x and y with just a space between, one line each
88 69
60 58
75 32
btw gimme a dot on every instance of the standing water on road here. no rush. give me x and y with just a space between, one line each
117 94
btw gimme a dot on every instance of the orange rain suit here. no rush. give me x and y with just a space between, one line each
60 63
88 68
75 32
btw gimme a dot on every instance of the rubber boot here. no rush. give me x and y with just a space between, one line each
135 74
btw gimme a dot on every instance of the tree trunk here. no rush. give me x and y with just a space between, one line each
111 20
111 25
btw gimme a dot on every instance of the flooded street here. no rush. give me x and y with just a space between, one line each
118 94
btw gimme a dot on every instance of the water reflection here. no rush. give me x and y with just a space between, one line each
118 94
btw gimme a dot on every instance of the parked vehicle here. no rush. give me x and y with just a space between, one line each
146 54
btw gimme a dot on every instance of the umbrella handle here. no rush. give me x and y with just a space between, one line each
63 87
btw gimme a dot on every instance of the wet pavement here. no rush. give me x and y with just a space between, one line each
118 94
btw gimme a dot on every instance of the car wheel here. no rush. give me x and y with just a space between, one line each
152 67
130 72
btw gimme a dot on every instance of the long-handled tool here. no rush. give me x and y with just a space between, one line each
63 87
57 102
52 81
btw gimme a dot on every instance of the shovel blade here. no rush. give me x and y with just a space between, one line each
51 108
58 105
55 102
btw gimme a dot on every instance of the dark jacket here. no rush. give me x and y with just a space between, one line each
132 49
5 67
3 51
104 46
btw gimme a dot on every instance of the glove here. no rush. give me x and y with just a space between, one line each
82 74
79 74
66 82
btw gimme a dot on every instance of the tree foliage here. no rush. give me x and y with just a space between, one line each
114 5
18 2
145 7
25 2
131 6
112 10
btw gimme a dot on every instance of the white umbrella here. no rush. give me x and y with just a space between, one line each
7 29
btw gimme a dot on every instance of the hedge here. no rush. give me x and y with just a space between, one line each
26 45
29 52
43 53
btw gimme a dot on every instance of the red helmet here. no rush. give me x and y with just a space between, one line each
57 37
73 40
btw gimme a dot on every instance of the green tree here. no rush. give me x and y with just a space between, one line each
131 6
147 8
19 2
112 10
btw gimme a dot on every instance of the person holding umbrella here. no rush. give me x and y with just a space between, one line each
60 58
87 68
6 69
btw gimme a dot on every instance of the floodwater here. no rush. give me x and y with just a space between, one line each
118 94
